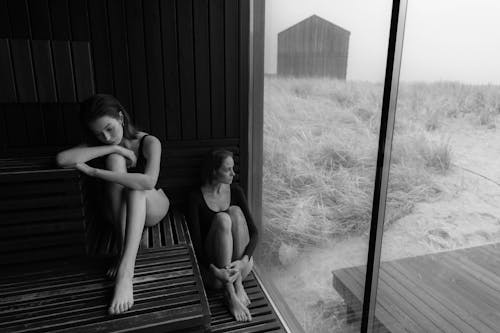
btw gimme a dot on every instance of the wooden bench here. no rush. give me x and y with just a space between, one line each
453 291
50 283
64 288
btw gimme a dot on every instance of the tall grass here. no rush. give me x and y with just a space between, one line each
320 147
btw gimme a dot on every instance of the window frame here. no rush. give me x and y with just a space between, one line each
254 172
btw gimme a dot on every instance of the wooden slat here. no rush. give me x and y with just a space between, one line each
34 126
72 126
82 64
60 20
152 38
186 68
45 79
168 19
231 47
101 52
216 10
138 71
40 19
79 21
17 135
19 21
7 83
64 71
24 73
54 122
118 42
5 30
202 62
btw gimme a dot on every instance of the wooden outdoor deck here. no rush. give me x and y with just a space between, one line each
454 291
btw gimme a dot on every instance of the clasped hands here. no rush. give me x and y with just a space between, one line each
230 273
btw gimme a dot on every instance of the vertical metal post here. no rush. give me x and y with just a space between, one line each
391 85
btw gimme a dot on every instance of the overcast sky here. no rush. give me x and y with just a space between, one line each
452 40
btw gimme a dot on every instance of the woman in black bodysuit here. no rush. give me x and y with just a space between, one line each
223 232
132 160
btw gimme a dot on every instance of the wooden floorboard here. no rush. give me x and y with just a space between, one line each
453 291
264 317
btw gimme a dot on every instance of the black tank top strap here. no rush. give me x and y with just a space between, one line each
139 151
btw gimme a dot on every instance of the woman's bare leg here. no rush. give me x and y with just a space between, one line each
116 162
241 238
143 208
123 297
219 246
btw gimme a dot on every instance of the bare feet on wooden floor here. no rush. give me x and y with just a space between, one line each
239 311
123 297
241 293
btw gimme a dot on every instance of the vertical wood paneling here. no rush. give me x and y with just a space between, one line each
17 136
231 67
7 83
101 52
40 19
5 31
59 12
34 124
20 27
53 120
83 70
64 71
170 69
71 123
3 130
154 64
45 79
79 20
135 33
217 76
186 68
23 70
119 52
202 68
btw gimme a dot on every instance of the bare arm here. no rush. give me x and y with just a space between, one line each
80 154
136 181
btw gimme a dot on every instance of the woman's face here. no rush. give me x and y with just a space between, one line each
225 173
107 129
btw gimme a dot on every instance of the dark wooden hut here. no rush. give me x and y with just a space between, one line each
314 47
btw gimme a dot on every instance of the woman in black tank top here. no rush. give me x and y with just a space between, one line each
132 166
223 232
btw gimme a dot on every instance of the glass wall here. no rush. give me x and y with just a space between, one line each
440 258
324 72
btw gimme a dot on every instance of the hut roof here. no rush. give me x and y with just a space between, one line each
316 17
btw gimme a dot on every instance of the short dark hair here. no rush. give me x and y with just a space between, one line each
100 105
212 162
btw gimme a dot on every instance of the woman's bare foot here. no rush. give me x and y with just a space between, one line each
241 293
239 311
123 298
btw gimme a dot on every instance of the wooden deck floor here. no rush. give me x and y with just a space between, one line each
454 291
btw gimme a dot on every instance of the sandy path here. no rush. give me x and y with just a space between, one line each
466 214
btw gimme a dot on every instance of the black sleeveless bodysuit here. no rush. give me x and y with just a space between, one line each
140 165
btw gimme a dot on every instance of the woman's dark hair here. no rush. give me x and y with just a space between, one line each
100 105
211 163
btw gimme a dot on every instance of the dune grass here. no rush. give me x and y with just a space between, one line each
320 147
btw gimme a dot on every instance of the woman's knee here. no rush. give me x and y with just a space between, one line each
116 162
134 194
222 221
235 213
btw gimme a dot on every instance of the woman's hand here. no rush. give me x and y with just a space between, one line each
86 169
226 275
238 265
128 154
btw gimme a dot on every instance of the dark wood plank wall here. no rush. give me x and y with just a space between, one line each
313 47
179 67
